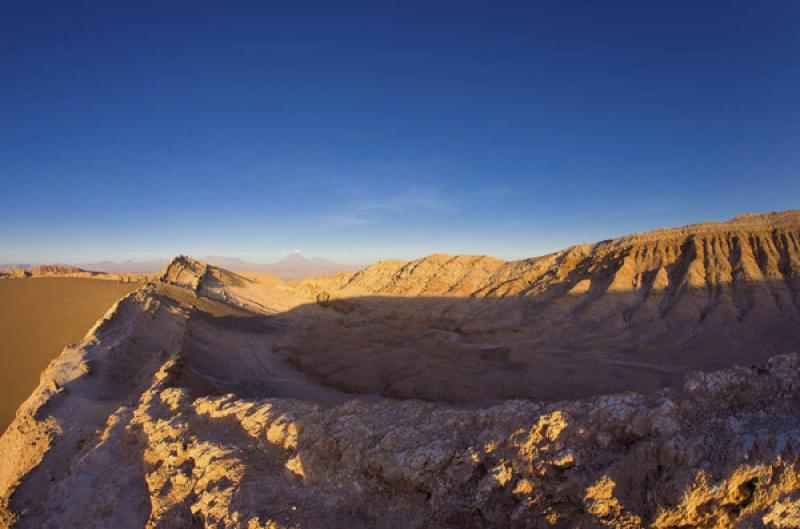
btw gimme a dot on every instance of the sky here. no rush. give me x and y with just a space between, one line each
371 130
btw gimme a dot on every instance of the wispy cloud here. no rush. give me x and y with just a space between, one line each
366 210
343 219
414 201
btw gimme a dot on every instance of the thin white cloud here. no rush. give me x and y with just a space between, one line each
414 201
366 210
343 219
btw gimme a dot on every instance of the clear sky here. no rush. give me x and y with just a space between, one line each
359 131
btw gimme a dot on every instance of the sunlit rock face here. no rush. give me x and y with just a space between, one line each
210 399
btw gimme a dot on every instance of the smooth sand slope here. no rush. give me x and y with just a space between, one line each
38 318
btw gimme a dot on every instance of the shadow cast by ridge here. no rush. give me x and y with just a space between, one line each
555 345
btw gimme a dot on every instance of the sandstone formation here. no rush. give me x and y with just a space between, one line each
184 407
15 273
58 270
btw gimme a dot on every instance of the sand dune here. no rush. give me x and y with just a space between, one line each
38 318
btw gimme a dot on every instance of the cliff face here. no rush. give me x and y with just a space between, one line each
717 258
184 406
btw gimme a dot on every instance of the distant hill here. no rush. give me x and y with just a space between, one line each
43 270
9 266
293 266
63 270
137 267
57 269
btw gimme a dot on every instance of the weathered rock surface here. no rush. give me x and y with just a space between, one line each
15 273
178 410
58 270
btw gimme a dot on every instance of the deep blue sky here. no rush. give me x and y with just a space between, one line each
373 130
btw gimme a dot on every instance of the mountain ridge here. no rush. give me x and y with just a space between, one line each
293 266
286 268
510 270
698 297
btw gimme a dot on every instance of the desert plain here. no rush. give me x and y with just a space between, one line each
38 318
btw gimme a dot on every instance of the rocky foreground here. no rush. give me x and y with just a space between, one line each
179 410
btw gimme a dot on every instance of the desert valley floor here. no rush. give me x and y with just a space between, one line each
38 318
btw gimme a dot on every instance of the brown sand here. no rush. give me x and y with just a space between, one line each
38 318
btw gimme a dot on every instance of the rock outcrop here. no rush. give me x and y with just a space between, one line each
15 273
58 270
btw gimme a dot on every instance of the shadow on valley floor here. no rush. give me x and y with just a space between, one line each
552 346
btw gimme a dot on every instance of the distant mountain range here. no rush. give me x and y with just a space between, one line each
293 266
127 266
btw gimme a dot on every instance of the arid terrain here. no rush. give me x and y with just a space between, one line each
634 313
647 381
38 318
